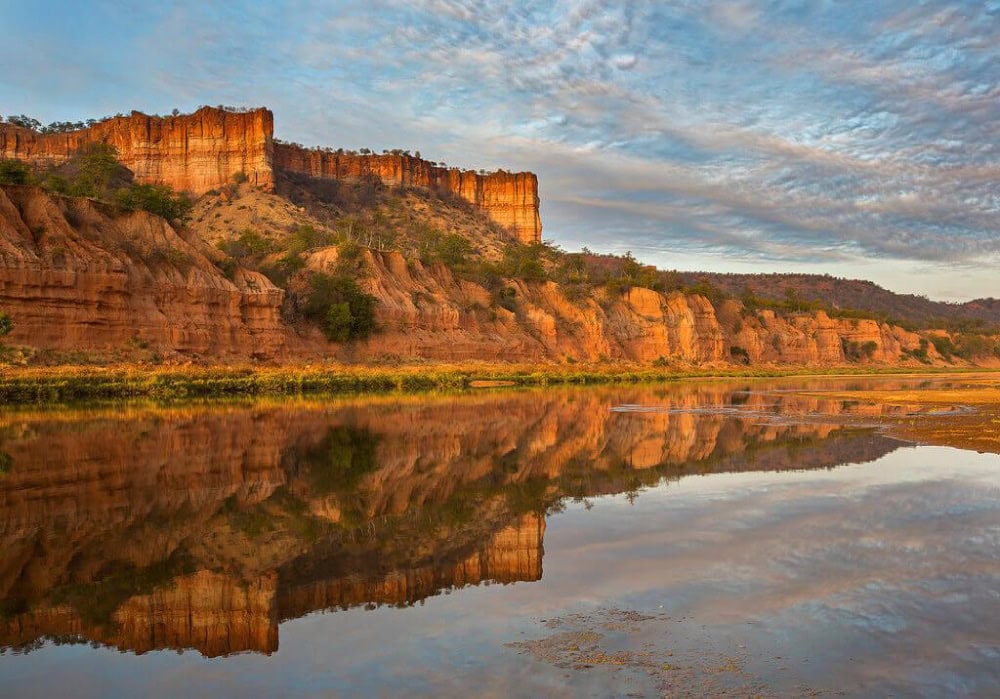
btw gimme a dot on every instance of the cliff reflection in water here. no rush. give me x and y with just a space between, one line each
205 527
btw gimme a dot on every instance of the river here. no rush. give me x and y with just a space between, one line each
685 539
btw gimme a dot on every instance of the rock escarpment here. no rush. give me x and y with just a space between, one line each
205 150
421 306
509 199
192 152
76 275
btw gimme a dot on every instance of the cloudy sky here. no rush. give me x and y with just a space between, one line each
858 139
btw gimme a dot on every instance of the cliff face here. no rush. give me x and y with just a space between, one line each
509 199
427 312
78 276
192 153
202 151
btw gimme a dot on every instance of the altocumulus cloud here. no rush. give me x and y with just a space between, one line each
735 135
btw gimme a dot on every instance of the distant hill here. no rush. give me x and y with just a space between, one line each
910 309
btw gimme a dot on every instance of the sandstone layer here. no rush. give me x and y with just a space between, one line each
207 149
77 276
428 312
509 199
191 153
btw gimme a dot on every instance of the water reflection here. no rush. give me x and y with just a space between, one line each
206 527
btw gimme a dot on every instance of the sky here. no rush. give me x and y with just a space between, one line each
858 139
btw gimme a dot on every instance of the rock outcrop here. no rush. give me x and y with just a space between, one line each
207 149
78 276
191 153
419 307
509 199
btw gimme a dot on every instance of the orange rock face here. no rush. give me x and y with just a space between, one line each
77 277
509 199
193 153
202 151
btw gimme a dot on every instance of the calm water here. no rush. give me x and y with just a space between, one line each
688 539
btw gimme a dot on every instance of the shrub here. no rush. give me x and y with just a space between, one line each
523 262
506 298
95 171
306 237
855 351
249 244
341 308
156 199
341 459
739 354
14 172
338 322
240 177
6 324
281 271
943 344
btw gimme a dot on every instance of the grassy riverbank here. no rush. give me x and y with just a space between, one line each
66 384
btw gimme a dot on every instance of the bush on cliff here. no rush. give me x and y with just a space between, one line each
6 324
94 172
14 172
156 199
342 309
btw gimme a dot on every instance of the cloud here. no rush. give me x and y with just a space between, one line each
762 130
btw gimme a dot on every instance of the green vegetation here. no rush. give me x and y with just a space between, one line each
856 352
966 346
96 602
6 324
14 172
59 385
340 307
739 354
156 199
248 247
94 172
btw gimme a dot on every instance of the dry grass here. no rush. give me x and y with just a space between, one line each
40 385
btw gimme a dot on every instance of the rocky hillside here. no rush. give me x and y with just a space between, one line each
77 275
291 254
203 151
916 311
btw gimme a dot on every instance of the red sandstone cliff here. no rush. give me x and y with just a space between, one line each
202 151
193 152
78 276
509 199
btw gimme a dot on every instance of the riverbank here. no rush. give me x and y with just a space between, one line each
42 385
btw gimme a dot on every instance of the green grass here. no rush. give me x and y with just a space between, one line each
70 384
